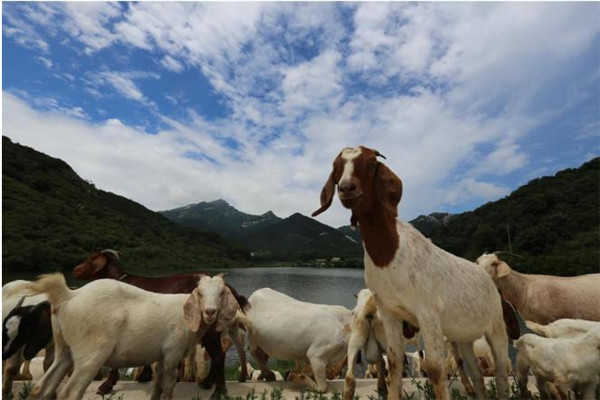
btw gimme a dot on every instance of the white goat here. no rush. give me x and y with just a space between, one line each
565 363
12 294
563 328
415 281
574 297
288 329
111 323
368 335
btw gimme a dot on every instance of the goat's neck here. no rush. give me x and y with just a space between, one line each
379 234
513 288
113 271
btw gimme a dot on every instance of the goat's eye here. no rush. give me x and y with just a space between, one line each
372 166
222 294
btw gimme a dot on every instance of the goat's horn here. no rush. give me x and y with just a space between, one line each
20 303
113 252
355 295
378 154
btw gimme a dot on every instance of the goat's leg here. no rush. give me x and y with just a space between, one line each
11 370
25 373
468 355
212 343
109 383
395 352
157 384
145 375
319 368
49 356
381 385
86 368
522 372
190 373
168 377
460 365
498 341
433 364
262 359
46 387
354 345
238 341
217 369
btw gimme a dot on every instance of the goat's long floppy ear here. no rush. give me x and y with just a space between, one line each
99 262
227 311
192 313
326 194
388 188
509 313
502 269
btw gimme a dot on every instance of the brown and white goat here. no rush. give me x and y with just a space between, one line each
415 281
545 298
105 265
134 327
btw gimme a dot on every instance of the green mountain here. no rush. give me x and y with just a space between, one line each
302 238
268 236
219 216
553 223
52 219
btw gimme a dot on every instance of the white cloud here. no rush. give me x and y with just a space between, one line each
45 61
122 82
427 84
171 64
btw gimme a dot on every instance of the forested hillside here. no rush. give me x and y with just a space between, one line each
554 222
52 218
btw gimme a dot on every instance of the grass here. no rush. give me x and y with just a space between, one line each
23 394
423 391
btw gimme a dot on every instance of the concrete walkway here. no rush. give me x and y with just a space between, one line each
365 388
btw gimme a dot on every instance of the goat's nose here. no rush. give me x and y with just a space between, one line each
210 312
347 187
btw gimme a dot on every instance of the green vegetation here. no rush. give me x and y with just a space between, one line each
554 223
52 219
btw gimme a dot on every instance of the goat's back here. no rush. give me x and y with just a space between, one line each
578 355
130 320
288 327
13 291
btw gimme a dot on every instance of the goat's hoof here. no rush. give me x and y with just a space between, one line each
104 389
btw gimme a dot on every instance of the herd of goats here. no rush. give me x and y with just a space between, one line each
459 313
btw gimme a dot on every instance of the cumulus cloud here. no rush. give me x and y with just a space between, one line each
446 91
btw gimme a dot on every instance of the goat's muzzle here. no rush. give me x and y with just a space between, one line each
350 201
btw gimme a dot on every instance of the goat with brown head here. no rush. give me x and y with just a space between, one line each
372 191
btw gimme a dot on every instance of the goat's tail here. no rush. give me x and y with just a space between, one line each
537 328
54 286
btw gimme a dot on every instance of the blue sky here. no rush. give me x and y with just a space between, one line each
176 103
